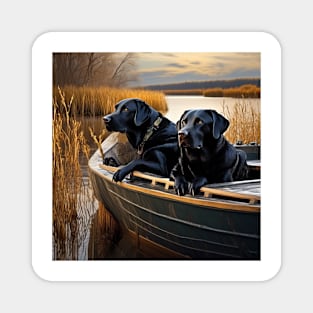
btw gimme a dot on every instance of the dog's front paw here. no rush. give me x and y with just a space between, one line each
181 185
195 186
119 175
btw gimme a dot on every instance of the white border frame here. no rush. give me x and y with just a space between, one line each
139 270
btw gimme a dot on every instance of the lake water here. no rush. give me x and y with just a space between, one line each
178 104
100 230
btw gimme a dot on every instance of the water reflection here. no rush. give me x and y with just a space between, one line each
104 234
99 232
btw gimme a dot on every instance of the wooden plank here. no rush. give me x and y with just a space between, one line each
225 204
207 191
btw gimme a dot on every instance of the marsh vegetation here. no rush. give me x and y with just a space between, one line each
243 92
73 140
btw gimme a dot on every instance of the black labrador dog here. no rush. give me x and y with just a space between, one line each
148 131
205 155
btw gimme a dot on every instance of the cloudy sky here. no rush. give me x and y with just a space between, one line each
164 68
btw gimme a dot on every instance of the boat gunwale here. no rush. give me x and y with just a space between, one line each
208 191
212 203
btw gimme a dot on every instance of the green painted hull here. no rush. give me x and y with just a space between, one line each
196 228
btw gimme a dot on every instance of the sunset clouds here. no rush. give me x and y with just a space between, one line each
163 68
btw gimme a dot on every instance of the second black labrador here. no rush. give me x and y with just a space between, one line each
205 155
148 131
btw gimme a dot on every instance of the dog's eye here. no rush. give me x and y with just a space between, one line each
125 109
199 122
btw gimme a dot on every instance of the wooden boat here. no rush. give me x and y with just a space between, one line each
223 223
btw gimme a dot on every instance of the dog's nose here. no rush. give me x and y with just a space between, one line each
183 133
107 119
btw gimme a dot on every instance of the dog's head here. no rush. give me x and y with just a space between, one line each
129 114
195 127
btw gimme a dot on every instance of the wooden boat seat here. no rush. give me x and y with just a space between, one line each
247 190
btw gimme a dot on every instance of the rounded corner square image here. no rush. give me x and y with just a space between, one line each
155 151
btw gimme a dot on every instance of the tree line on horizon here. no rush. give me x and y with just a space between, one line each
225 83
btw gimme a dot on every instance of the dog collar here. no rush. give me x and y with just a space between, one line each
148 134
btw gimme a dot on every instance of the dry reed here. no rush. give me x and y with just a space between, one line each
73 200
97 101
245 122
98 139
70 192
244 91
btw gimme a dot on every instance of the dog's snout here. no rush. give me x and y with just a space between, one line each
106 119
183 133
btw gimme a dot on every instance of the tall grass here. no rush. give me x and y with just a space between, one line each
213 92
244 91
72 199
245 122
97 101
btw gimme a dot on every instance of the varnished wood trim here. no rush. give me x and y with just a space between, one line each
252 208
208 192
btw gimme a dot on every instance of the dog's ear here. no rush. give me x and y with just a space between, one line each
178 123
142 112
220 124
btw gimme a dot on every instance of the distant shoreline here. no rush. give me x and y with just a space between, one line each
197 85
235 88
245 91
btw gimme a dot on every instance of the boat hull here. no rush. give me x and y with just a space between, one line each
210 229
